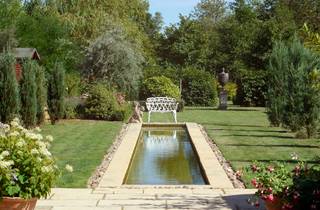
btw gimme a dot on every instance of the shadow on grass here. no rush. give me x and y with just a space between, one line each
249 130
261 136
272 145
275 160
233 125
229 109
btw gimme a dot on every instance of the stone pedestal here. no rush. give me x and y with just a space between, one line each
223 99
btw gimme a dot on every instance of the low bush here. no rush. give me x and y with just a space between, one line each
252 88
71 107
232 90
102 105
159 86
199 88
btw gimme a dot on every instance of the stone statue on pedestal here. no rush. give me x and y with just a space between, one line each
223 79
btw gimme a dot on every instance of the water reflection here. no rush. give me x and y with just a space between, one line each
164 156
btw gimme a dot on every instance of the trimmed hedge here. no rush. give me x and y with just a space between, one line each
199 88
159 86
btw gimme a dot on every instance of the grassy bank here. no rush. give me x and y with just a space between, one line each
82 144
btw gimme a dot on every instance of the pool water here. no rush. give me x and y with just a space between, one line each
164 156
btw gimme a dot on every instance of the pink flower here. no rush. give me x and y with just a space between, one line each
270 197
254 168
254 183
287 206
270 168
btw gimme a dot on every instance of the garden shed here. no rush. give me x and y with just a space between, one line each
24 53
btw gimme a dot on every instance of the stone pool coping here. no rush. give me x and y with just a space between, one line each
117 169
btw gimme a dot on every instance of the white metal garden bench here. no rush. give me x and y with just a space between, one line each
162 105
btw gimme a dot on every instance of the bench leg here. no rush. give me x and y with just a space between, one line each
175 116
149 116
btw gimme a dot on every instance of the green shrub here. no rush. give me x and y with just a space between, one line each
199 87
102 105
293 95
9 106
28 92
73 84
252 88
159 87
41 93
71 108
232 90
56 90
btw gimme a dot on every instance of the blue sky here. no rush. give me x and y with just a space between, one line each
170 9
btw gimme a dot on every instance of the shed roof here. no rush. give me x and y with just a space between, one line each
31 53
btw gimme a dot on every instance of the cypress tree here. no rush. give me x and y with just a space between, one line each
41 93
28 94
293 99
56 91
9 92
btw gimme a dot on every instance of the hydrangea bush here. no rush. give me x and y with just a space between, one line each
27 168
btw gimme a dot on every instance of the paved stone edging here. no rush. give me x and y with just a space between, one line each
118 166
214 172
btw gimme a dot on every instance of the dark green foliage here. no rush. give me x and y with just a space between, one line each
293 97
41 93
102 105
56 90
252 89
9 93
159 86
28 93
199 87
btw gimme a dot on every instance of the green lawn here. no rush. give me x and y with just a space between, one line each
244 135
82 144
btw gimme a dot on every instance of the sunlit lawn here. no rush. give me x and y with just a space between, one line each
81 144
244 135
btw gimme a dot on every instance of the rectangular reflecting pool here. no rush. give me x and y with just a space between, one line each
164 156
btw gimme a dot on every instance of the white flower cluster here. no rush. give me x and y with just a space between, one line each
69 168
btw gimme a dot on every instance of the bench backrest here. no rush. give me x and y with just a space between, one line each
161 104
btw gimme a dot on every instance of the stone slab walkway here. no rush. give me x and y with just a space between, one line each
130 198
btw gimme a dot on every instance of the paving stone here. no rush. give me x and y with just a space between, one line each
133 203
167 191
88 208
207 191
67 203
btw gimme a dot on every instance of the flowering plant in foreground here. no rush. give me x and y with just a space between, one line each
27 168
294 189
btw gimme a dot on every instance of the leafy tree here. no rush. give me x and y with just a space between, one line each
294 99
56 90
9 13
9 106
115 61
28 92
210 11
41 27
